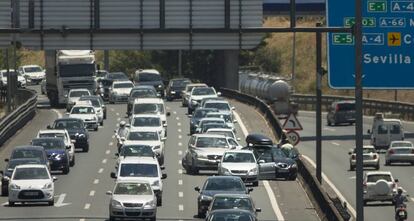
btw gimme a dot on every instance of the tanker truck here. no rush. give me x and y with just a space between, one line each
66 70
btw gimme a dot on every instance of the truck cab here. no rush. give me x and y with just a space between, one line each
385 130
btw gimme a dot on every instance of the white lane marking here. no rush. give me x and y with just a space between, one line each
412 199
180 171
179 162
177 118
107 152
181 207
92 193
329 129
59 202
179 130
117 114
179 124
180 194
57 113
104 161
329 182
180 137
180 152
96 181
336 144
117 125
180 144
180 182
111 143
87 206
269 190
113 136
100 170
352 177
82 220
168 108
175 112
119 119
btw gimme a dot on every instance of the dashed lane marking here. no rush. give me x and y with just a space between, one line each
104 161
329 129
336 144
180 152
180 144
180 194
180 137
111 143
92 193
113 136
119 119
179 130
174 112
107 152
57 113
87 206
100 170
180 171
180 182
352 177
177 118
96 181
117 114
179 124
181 207
179 162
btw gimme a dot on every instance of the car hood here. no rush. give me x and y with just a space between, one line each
122 90
200 97
133 198
83 116
55 152
31 184
239 166
211 151
214 192
153 83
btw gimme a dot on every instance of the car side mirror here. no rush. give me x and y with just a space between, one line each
238 139
163 139
165 125
233 108
190 116
261 161
396 180
49 127
258 210
108 193
250 189
6 160
162 167
164 176
113 175
54 178
197 189
168 114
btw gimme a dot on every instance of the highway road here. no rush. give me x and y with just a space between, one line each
337 142
80 195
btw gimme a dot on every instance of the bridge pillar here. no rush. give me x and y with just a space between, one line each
227 74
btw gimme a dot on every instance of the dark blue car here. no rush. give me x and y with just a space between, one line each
56 152
76 129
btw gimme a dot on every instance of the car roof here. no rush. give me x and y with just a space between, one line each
402 141
136 87
31 166
47 138
148 100
143 129
378 173
133 181
31 147
29 66
209 135
152 71
238 151
89 97
146 115
49 131
122 82
139 160
180 79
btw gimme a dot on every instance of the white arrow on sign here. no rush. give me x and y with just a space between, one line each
59 202
292 123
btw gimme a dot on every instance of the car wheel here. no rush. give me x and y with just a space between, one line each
365 202
86 148
66 170
11 203
351 168
200 213
51 203
4 191
101 123
256 183
72 163
159 200
153 218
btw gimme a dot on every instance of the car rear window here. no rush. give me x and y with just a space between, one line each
375 177
345 106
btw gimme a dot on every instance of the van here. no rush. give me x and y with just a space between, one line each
341 112
385 130
150 77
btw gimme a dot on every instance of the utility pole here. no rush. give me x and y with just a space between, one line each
319 105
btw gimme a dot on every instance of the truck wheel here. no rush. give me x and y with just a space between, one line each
86 148
4 190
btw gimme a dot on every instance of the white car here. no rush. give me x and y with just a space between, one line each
187 92
150 106
21 82
33 74
134 150
63 134
197 94
227 116
144 168
370 157
204 121
400 152
119 91
87 114
31 183
74 95
146 136
379 186
241 163
133 200
85 100
149 121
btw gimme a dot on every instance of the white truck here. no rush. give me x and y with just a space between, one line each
385 130
68 69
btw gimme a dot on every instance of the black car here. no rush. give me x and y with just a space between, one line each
8 171
56 151
197 115
175 87
273 162
76 129
231 214
216 185
150 77
106 82
341 112
140 91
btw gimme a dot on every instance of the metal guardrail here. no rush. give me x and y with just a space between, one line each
327 210
370 106
26 110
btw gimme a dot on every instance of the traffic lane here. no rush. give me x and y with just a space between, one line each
291 197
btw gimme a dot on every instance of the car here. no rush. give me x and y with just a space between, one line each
64 135
8 171
224 131
21 81
144 168
147 136
76 129
150 106
206 126
185 94
140 91
43 87
227 116
57 153
202 122
370 155
197 94
31 183
231 214
87 114
385 130
241 163
379 186
100 74
197 115
233 201
204 152
204 100
119 91
290 151
273 162
99 105
341 112
149 121
175 87
150 77
134 150
106 82
74 95
216 185
29 151
400 152
33 74
221 105
132 200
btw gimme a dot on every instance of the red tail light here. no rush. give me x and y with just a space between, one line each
353 157
391 151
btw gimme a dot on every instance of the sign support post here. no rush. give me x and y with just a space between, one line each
319 105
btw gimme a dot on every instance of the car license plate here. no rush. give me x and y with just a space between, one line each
401 213
30 193
282 170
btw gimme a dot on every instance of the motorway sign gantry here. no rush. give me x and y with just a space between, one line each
388 44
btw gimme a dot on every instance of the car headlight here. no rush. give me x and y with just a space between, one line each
156 183
48 186
116 204
206 198
172 92
294 166
201 156
151 204
225 170
14 186
253 171
160 86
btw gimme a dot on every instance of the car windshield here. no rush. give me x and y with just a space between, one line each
123 85
31 174
117 76
231 202
218 142
68 124
17 154
200 113
218 106
101 74
225 117
79 93
145 108
58 135
149 77
235 157
211 121
401 144
205 127
32 69
224 184
346 106
147 122
138 170
231 216
203 91
95 102
49 144
136 150
13 163
83 110
373 178
143 135
144 93
132 189
180 83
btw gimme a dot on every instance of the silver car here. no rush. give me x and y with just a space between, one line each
132 199
371 158
401 152
241 163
